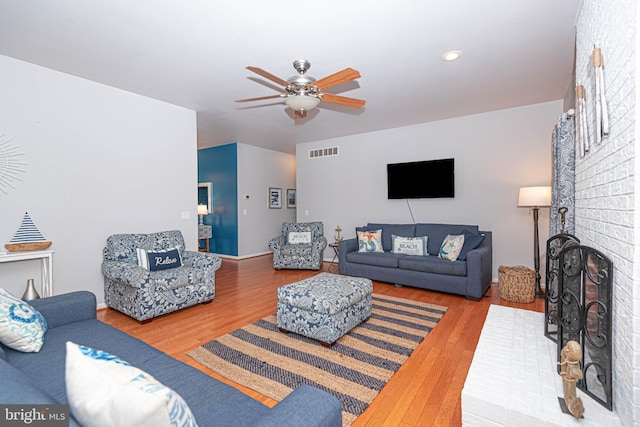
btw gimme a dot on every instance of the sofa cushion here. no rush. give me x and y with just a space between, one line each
22 327
410 245
437 233
433 265
370 241
18 388
451 247
388 230
104 390
381 259
156 260
471 241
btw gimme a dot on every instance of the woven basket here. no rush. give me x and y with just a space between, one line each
517 284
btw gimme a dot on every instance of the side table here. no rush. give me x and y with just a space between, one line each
336 255
46 258
204 233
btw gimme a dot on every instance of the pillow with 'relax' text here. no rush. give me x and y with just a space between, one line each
160 259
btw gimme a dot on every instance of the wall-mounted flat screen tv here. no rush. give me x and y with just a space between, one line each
421 180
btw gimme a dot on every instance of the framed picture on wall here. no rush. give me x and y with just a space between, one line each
291 198
275 198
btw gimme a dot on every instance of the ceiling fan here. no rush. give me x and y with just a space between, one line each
303 93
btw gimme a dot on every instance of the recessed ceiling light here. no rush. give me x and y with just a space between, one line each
452 55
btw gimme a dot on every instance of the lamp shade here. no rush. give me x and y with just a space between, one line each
534 197
302 102
202 210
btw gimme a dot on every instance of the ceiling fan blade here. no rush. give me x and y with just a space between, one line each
343 100
268 75
338 78
260 98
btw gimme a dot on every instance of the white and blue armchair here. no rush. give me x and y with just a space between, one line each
300 246
147 275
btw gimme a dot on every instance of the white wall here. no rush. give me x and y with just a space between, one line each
495 154
259 169
608 180
100 161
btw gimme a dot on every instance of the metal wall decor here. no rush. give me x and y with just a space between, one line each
555 245
11 165
584 314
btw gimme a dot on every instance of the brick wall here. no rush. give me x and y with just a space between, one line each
607 214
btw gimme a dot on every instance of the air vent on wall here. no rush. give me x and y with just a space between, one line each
323 152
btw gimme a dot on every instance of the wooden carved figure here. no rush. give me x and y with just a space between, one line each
570 372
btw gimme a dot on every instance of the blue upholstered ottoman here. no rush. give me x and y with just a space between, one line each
324 307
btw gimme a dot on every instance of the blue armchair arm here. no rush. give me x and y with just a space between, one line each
305 407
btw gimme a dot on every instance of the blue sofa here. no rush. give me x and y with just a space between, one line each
470 277
39 378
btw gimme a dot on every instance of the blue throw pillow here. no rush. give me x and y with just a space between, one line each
471 241
160 259
22 327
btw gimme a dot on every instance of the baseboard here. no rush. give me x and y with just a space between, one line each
240 257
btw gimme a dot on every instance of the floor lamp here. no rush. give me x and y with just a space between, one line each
535 198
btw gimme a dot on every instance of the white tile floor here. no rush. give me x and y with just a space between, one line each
513 380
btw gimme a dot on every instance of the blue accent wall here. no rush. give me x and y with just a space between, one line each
219 165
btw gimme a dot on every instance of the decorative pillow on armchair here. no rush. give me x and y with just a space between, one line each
451 247
299 238
370 241
159 260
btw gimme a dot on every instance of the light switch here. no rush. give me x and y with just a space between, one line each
244 211
186 215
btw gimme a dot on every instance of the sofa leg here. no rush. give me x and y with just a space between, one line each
397 285
326 344
284 331
208 302
474 299
145 321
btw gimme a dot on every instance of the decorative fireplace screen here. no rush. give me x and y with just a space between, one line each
584 315
555 245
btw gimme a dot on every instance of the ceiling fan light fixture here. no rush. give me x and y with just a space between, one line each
302 102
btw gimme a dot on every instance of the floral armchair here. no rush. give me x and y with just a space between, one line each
300 246
146 275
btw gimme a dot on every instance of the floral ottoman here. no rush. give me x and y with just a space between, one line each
324 307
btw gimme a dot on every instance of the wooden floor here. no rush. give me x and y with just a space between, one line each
424 392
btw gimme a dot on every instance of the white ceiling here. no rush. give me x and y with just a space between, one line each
193 53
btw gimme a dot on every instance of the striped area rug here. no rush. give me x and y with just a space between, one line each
354 370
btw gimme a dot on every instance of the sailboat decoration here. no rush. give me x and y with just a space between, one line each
27 238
